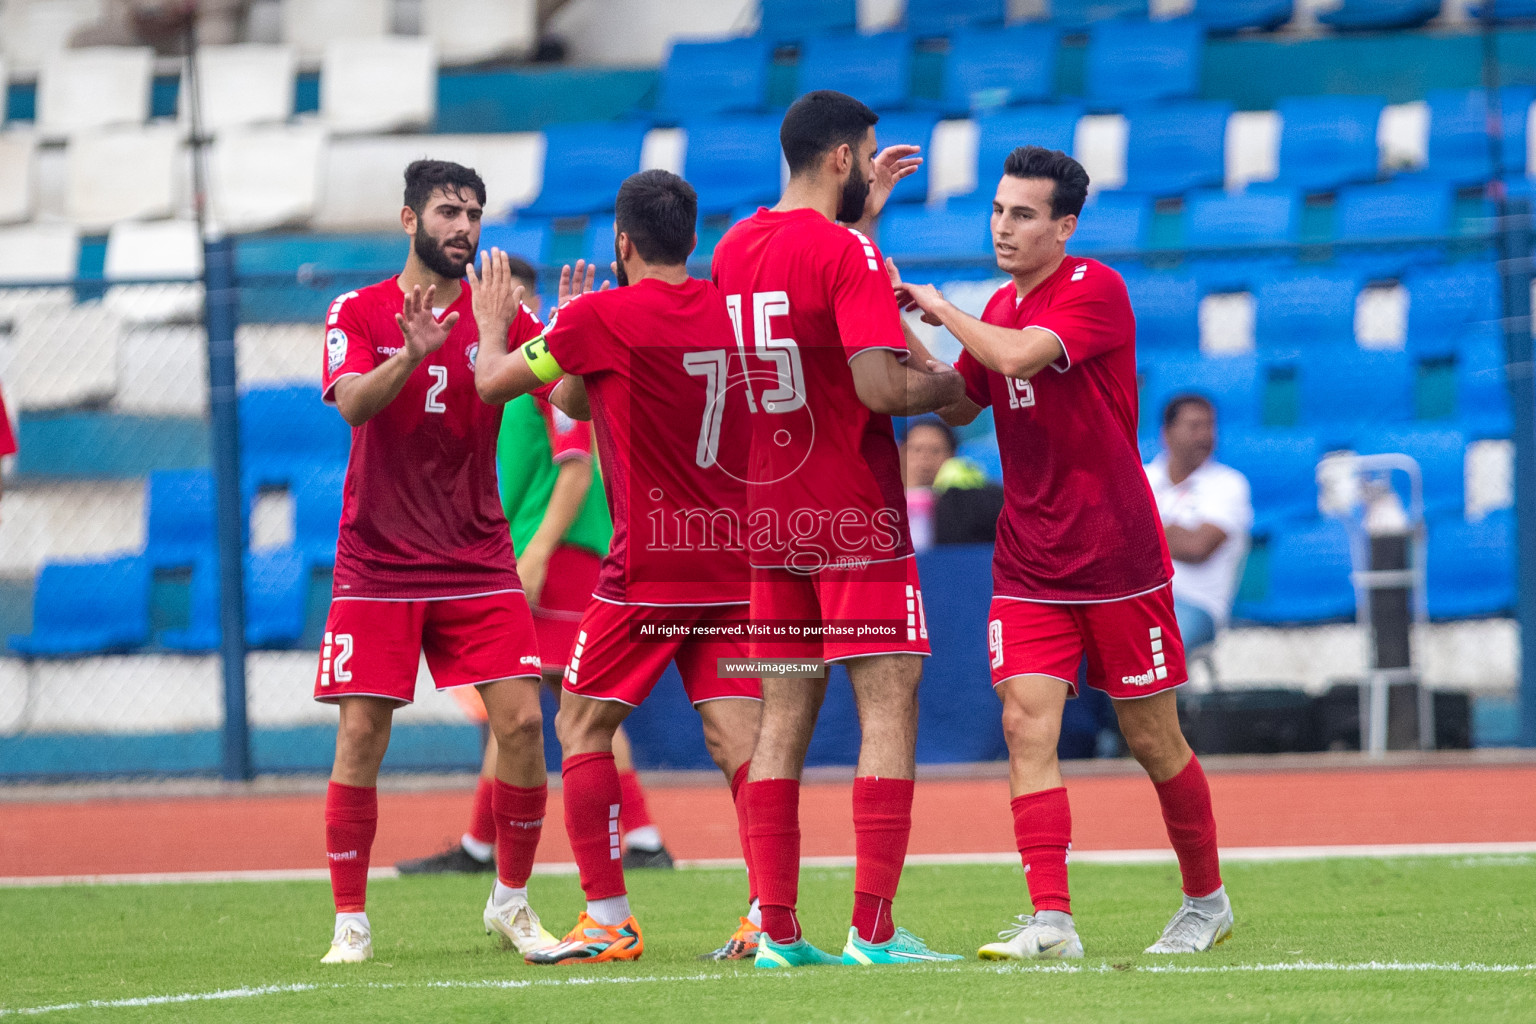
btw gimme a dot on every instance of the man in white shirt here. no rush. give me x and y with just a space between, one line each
1207 515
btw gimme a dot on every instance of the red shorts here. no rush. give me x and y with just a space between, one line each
1133 646
872 609
568 586
373 648
617 658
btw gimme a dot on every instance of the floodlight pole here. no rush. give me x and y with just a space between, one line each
220 315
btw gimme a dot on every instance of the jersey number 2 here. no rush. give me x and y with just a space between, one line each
439 382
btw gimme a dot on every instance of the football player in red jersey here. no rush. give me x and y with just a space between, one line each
1081 565
653 362
424 560
828 366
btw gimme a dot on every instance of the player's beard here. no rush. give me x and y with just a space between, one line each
435 258
618 265
850 208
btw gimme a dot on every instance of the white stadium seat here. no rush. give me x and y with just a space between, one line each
1402 136
309 25
364 177
58 357
31 31
122 173
17 196
163 371
36 254
263 178
154 251
69 520
1099 145
1252 147
96 87
467 31
378 85
278 353
242 85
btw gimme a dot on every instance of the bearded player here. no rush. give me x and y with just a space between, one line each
1081 565
654 360
830 547
424 561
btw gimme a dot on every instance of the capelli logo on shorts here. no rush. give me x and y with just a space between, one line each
1145 679
529 659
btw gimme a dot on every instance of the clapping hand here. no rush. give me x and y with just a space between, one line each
915 296
423 332
579 282
891 165
497 301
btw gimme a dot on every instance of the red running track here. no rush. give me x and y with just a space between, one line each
1459 804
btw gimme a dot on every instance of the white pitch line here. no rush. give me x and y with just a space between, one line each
257 991
1230 854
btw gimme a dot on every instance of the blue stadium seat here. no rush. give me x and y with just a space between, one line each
285 430
984 452
1136 61
1394 210
1353 386
1471 566
1260 215
317 500
943 17
876 68
81 608
1232 15
1167 309
1503 10
527 237
787 21
1175 147
918 234
1358 14
1328 141
1309 576
180 517
597 243
584 165
276 592
1231 383
1482 387
727 76
996 68
1458 133
733 162
1078 15
1001 132
914 128
1305 309
1445 301
1441 455
1112 222
1281 467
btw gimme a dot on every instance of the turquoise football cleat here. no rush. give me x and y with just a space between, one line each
901 948
799 953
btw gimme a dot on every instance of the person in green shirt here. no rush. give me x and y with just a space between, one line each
560 530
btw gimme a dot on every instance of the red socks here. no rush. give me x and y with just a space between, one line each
633 813
482 821
1042 825
351 818
519 823
773 812
1186 802
882 824
739 798
592 801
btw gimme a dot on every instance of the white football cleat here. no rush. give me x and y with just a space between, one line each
518 925
1036 938
1195 929
352 943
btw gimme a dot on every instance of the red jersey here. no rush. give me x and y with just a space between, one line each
1079 521
807 296
7 438
671 438
568 438
421 517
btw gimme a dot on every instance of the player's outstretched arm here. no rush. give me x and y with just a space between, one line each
956 414
502 375
887 385
360 398
1012 353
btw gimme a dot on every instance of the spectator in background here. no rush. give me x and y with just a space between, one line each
7 439
928 445
1207 515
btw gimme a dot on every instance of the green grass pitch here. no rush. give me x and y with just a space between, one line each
1431 939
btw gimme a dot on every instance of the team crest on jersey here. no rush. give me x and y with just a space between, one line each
472 352
335 349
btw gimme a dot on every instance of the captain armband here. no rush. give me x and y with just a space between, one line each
541 361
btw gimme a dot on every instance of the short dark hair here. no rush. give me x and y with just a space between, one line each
423 177
1071 180
818 123
659 212
1177 403
934 423
523 271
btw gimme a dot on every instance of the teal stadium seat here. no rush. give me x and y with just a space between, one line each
876 68
1458 133
728 76
1328 141
1471 566
584 165
1136 61
1175 147
986 69
83 608
733 162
